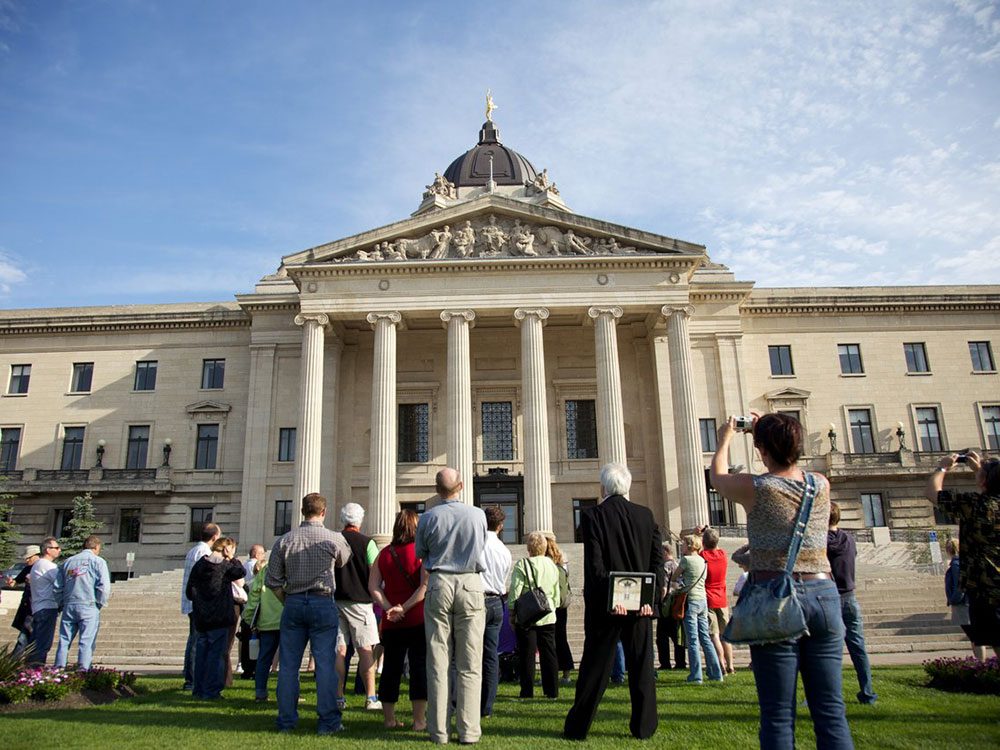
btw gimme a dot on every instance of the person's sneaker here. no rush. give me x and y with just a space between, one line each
341 703
261 698
566 681
327 732
373 703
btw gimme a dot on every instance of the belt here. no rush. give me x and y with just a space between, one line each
496 596
319 592
766 575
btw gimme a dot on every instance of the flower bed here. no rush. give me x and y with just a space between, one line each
53 684
965 675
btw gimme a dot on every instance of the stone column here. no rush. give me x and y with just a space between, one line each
258 431
382 464
458 323
690 472
537 472
610 416
308 453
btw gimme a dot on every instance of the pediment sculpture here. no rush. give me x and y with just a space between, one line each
492 237
441 186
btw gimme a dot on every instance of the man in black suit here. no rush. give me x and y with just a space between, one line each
617 535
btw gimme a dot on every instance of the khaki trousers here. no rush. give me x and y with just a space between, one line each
454 620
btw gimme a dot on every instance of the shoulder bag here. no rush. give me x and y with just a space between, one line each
769 611
533 604
678 600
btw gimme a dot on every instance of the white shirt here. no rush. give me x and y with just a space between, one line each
497 562
45 593
740 583
198 551
248 567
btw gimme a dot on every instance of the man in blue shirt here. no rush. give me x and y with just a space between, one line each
86 588
45 596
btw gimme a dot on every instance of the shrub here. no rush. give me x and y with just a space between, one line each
105 678
966 675
11 664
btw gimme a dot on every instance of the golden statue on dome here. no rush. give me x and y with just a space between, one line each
490 106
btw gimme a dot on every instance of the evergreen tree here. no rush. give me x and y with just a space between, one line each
8 532
83 524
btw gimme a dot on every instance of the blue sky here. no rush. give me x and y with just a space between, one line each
173 151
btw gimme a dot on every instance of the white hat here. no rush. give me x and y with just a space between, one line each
31 550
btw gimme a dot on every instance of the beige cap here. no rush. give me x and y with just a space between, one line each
31 550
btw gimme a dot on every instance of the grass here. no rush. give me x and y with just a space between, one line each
907 715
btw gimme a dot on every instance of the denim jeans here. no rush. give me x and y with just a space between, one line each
44 630
818 656
189 648
618 665
491 655
855 638
209 670
82 623
268 641
698 638
312 619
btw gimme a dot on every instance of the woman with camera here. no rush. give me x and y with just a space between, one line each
772 502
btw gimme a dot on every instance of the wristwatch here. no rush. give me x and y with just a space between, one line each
941 468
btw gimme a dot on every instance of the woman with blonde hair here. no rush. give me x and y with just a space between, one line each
530 572
697 635
564 654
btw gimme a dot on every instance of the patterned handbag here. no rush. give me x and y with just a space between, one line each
769 611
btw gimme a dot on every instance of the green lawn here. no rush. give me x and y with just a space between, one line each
907 715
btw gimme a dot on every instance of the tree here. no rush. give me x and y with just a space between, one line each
80 526
8 532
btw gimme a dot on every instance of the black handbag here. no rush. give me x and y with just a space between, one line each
533 604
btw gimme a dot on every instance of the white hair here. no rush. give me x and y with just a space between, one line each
352 514
616 479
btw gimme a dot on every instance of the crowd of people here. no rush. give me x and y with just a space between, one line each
432 604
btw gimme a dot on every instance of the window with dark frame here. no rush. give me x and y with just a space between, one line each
850 359
581 428
929 429
579 506
991 423
213 374
207 448
10 441
286 444
781 359
199 517
982 356
282 517
873 509
72 448
129 525
862 436
138 447
83 377
60 522
413 433
145 375
498 430
20 377
793 413
916 357
720 512
709 434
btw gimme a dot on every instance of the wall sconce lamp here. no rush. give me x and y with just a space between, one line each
166 451
832 434
901 435
100 454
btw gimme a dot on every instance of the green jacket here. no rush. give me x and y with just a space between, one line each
261 596
545 575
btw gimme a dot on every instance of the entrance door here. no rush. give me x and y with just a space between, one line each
507 492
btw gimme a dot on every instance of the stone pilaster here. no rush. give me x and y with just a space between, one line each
610 415
458 323
382 465
690 472
309 432
537 472
258 431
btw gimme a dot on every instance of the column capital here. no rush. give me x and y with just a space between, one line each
392 316
469 315
614 311
668 311
522 313
321 318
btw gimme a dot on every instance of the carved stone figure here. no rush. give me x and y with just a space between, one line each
524 240
496 238
441 186
465 240
390 252
442 243
577 245
541 184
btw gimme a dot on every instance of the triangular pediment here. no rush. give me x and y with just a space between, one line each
207 407
789 394
492 227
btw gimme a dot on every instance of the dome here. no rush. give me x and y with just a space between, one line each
472 169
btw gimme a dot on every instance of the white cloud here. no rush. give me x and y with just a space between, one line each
10 273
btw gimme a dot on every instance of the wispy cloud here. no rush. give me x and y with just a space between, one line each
10 273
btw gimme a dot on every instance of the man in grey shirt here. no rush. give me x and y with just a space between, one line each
450 539
300 573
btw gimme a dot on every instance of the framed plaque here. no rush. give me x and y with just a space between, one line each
631 590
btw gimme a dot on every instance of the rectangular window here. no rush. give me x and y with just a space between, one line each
83 376
72 449
145 375
862 437
10 441
213 373
982 356
282 517
793 413
138 447
708 435
929 429
871 505
579 506
781 360
286 444
916 357
199 517
129 525
498 430
60 522
414 434
991 421
850 359
720 510
581 429
207 448
20 375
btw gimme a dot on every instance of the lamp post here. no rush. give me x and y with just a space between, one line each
832 434
901 435
166 452
100 454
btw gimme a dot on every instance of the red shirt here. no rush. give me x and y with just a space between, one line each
715 578
398 587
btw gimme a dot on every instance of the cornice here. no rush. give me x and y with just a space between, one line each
109 324
866 307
